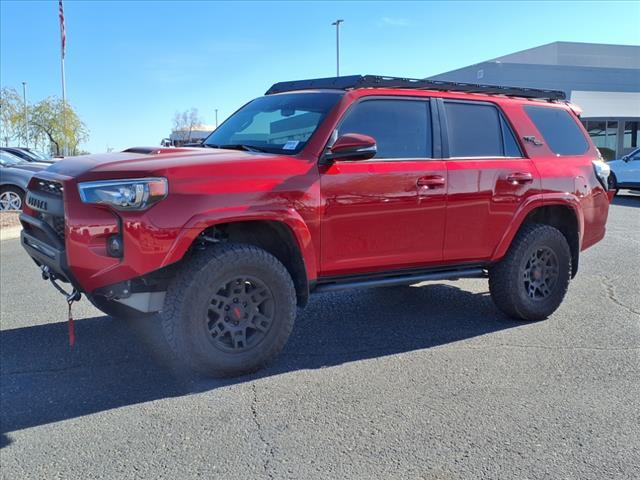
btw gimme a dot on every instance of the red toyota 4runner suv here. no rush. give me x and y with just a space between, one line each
323 185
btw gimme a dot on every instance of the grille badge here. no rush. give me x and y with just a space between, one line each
37 203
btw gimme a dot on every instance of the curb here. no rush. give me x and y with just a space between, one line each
9 233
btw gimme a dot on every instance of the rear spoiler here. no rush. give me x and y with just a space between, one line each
574 108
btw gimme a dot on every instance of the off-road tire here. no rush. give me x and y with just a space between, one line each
612 183
117 310
507 277
186 312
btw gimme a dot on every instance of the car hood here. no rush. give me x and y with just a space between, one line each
144 161
31 166
615 164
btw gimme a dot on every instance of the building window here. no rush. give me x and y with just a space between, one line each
604 135
631 134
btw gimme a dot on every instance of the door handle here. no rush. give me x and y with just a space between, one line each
519 177
431 182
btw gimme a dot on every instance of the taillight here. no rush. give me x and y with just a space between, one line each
602 171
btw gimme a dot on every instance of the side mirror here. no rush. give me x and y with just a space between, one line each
625 158
352 146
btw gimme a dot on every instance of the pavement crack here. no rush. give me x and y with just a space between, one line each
610 291
261 436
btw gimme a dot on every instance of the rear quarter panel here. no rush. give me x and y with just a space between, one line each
567 180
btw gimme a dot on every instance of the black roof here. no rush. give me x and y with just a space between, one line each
375 81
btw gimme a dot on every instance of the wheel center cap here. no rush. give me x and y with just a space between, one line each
237 312
537 274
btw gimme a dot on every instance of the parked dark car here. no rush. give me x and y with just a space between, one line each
15 174
29 155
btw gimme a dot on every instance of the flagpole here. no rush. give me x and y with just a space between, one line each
63 41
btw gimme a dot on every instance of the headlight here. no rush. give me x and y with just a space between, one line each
133 194
602 172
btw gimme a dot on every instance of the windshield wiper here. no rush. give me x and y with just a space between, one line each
238 146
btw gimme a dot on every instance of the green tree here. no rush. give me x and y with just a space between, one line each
12 126
59 123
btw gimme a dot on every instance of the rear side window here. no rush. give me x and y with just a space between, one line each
511 148
401 128
559 130
478 130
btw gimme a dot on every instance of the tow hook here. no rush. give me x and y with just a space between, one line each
72 296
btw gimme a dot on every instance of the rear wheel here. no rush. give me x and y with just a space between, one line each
230 310
11 198
530 282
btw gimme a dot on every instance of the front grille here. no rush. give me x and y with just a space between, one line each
49 186
37 203
46 198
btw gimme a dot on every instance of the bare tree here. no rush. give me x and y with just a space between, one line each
185 123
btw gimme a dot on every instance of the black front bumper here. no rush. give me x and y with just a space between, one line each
46 248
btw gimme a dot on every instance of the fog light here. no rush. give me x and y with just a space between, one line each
114 246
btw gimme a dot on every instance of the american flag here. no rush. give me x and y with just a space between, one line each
63 35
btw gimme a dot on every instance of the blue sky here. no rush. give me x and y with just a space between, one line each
131 65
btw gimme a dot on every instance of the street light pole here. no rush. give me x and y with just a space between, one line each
216 118
26 114
337 25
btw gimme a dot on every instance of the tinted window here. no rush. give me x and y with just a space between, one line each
275 123
401 128
474 130
559 130
511 148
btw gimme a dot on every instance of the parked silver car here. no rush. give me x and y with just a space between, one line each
15 174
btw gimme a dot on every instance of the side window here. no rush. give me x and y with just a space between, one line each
401 128
559 130
511 148
474 130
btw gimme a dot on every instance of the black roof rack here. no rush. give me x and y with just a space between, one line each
374 81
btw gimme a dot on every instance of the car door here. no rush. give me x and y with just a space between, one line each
387 212
488 178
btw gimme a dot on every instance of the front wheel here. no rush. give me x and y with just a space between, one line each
230 310
530 282
11 199
612 183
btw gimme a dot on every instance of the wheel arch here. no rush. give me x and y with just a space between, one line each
290 244
564 214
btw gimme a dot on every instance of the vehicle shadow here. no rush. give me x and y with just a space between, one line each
117 363
627 199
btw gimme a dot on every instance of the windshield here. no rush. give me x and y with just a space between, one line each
275 123
39 155
8 160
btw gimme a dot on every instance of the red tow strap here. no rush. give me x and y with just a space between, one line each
71 327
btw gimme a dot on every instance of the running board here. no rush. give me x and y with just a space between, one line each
406 279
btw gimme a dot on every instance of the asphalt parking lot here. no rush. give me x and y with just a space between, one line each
426 382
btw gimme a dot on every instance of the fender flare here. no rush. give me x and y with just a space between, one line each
286 216
528 206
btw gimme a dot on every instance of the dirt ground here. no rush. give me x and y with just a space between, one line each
9 219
